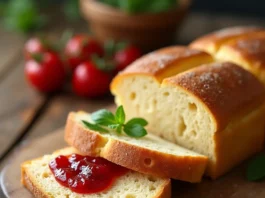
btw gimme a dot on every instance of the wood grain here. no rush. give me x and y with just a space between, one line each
11 45
232 185
19 105
9 180
56 113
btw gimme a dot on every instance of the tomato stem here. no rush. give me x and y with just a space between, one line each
37 57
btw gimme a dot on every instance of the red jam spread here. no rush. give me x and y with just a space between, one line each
85 174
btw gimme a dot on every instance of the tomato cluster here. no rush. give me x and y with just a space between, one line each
90 68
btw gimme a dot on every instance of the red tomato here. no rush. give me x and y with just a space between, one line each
34 46
89 81
45 74
80 48
126 56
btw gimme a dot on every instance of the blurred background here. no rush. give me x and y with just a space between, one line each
39 12
235 7
29 16
30 28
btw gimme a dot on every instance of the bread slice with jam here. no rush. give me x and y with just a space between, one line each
150 154
38 178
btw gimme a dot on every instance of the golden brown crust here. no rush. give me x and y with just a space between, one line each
165 190
211 42
88 144
251 49
165 62
134 157
158 61
225 88
155 163
28 182
30 185
248 132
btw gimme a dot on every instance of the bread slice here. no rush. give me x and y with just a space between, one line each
150 154
37 177
216 109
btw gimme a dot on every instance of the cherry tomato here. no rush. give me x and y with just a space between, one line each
89 81
126 56
80 48
46 72
35 46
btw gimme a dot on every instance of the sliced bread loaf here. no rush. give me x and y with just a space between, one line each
213 41
243 46
216 109
37 177
150 154
167 62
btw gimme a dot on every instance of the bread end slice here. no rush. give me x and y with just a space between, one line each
150 155
37 177
30 184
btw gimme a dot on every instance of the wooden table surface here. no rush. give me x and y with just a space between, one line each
26 114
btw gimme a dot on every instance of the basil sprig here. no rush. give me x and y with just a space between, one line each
256 168
105 120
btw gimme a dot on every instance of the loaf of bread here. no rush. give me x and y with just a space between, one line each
249 52
216 109
150 154
37 177
212 42
168 62
246 48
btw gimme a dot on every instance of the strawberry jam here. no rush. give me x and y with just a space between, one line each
85 174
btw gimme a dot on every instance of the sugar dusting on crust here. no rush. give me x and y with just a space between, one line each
251 49
219 79
163 59
252 46
235 31
224 87
158 60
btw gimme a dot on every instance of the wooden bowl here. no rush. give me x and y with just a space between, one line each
148 31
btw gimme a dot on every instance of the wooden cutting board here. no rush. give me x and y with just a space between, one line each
232 185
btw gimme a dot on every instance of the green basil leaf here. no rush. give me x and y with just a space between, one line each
140 6
132 6
135 130
256 168
2 8
139 121
120 115
94 127
113 3
119 128
156 6
71 10
23 16
113 126
103 117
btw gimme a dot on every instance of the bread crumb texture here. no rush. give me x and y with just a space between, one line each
130 185
189 108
